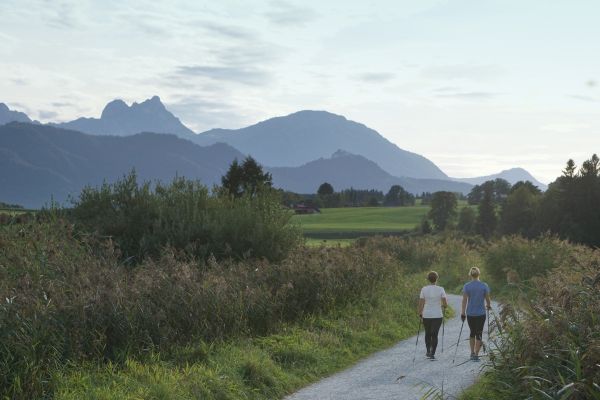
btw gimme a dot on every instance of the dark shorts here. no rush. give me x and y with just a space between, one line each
476 324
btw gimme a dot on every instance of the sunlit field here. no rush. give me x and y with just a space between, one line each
367 220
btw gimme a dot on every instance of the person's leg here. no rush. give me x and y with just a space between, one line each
479 324
471 323
427 326
435 330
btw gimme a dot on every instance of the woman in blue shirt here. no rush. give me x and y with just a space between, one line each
476 297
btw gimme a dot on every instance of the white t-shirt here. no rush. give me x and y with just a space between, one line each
433 294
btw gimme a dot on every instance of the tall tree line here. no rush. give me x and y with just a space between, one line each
570 208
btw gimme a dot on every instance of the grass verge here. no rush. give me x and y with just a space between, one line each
266 367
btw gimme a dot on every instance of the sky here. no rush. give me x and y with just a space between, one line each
476 86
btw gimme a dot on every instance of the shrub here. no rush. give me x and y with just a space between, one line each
522 258
550 346
449 256
183 215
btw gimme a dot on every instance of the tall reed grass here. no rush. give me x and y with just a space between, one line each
68 298
549 333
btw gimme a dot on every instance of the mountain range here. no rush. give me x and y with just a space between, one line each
59 159
305 136
40 162
344 170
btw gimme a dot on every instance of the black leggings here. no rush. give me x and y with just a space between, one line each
432 328
476 324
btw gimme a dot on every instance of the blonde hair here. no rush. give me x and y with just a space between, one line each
474 272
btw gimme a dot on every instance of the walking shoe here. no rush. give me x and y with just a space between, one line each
428 355
432 357
473 357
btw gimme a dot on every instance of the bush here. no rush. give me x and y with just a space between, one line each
550 342
515 258
184 216
449 256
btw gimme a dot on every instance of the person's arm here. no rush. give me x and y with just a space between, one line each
421 306
463 311
444 299
488 301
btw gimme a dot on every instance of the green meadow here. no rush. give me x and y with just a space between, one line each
354 221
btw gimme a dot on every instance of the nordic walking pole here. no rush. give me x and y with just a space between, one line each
458 341
488 322
487 310
443 327
417 344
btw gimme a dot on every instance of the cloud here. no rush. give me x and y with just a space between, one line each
237 64
62 14
588 99
245 75
446 89
203 114
285 13
469 95
376 77
229 31
59 104
468 72
47 115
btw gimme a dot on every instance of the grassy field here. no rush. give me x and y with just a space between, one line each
366 220
14 211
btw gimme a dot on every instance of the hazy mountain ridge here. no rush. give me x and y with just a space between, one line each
304 136
344 170
295 140
39 161
119 119
512 175
7 115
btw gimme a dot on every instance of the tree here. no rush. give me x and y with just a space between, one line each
466 220
486 220
373 202
397 196
530 187
569 170
499 187
325 189
247 178
328 196
425 226
443 209
519 212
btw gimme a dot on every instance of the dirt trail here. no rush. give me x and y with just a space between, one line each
390 374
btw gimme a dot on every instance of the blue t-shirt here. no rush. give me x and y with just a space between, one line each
476 291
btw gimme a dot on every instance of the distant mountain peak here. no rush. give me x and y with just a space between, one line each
7 115
120 119
114 108
296 139
511 175
153 103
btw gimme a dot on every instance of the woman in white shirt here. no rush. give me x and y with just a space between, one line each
432 300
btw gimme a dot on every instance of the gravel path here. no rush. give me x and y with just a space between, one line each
390 374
